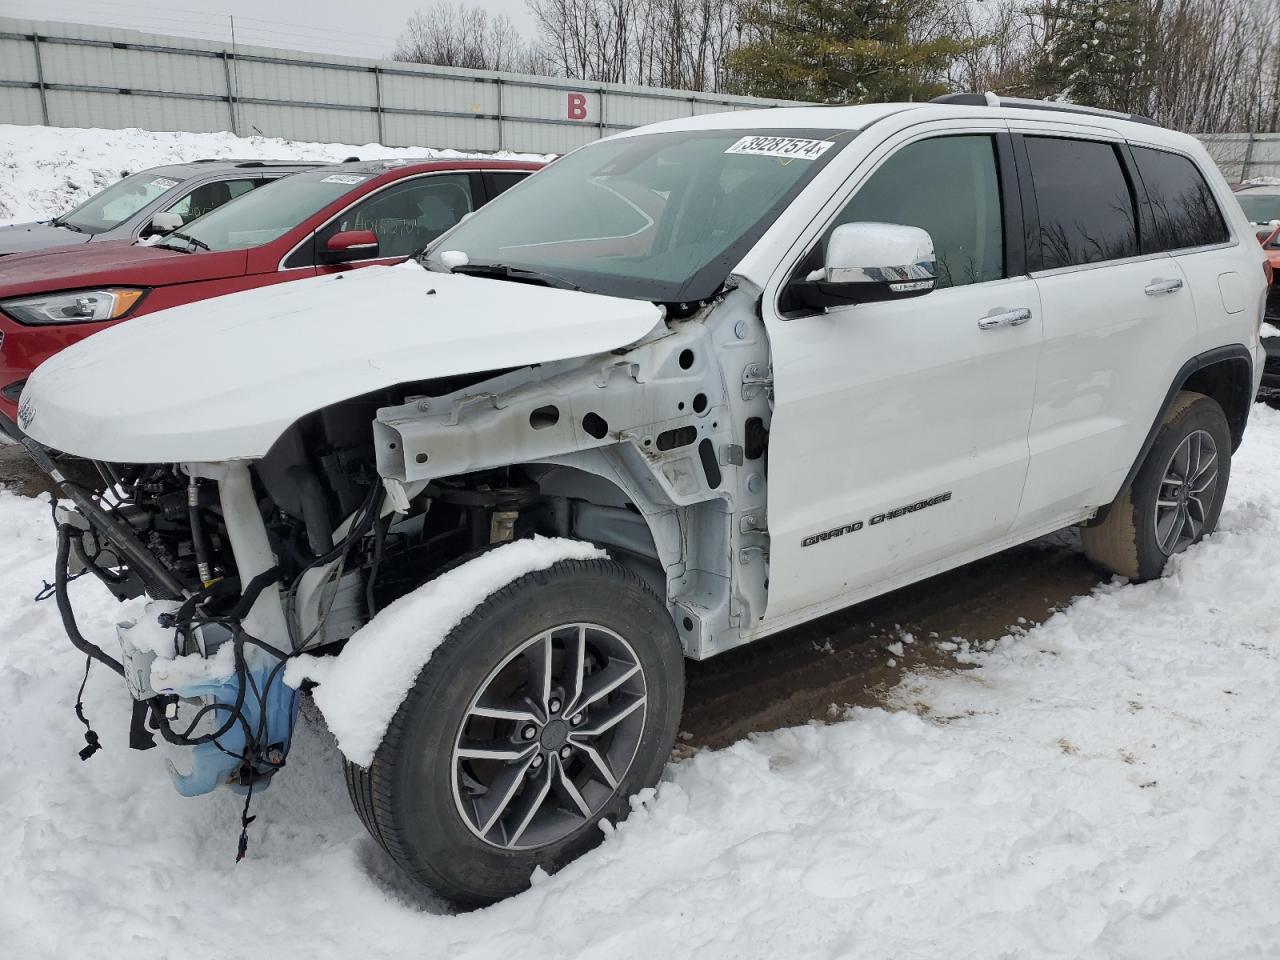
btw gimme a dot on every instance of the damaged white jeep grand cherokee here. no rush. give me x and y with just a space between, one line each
686 387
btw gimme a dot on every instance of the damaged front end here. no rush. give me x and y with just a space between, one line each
204 658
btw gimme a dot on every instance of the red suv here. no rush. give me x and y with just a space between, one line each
331 218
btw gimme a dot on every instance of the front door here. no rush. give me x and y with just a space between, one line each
899 432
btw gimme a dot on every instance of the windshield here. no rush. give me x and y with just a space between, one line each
1260 207
116 204
662 216
262 215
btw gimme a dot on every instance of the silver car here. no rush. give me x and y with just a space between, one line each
129 209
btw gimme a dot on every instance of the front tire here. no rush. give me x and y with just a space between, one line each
543 711
1174 499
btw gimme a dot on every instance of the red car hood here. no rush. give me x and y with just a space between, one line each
113 262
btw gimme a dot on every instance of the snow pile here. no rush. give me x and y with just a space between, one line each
45 171
1100 787
361 689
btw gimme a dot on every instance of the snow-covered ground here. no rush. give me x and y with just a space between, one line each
1102 786
45 171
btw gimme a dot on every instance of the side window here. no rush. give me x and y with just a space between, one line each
409 215
1085 202
948 186
1183 211
210 196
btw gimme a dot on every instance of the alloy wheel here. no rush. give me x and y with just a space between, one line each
548 737
1186 492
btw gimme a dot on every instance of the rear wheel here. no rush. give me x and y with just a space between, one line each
1175 498
545 709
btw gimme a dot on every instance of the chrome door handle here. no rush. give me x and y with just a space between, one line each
1158 288
1010 318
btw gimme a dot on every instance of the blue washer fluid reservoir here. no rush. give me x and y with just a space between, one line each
214 763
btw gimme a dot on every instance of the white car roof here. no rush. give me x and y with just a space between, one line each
860 116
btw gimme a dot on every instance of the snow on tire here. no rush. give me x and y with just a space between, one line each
543 711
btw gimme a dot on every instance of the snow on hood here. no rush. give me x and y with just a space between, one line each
222 379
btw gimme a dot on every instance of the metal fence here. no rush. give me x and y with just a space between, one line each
1242 156
75 75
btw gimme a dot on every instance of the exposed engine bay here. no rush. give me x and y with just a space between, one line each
657 453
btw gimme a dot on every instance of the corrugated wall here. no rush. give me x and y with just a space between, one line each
75 75
1242 156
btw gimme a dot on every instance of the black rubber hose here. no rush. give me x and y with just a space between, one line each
161 583
199 542
64 605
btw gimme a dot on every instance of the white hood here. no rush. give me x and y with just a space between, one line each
222 379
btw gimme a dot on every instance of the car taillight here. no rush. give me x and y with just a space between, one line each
1268 272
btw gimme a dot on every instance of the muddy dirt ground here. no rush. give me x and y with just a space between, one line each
814 672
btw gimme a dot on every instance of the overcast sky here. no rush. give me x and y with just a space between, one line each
351 27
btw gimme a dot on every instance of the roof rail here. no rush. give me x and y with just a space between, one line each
991 100
236 162
282 163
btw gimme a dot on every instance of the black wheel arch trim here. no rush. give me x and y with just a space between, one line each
1223 354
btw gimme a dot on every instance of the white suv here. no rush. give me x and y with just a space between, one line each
684 388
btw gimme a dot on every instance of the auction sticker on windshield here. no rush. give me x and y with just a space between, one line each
164 183
781 147
348 178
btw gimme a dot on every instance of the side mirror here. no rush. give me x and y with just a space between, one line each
867 262
166 221
349 245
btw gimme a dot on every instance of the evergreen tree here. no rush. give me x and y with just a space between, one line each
1093 53
840 51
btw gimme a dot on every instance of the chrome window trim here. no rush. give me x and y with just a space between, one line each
1205 248
281 268
1099 264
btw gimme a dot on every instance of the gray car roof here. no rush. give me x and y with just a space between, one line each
216 165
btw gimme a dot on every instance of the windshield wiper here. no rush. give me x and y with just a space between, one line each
191 241
59 222
501 271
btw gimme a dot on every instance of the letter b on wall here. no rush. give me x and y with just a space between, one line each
576 107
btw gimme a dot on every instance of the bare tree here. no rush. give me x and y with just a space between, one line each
455 35
669 43
1198 65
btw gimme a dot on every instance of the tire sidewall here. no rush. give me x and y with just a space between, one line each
1201 413
418 751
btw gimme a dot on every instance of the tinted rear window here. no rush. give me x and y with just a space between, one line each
1183 210
1085 203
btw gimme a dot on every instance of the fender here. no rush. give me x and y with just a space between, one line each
1224 354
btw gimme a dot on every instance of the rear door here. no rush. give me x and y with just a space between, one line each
899 434
1185 220
1117 320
